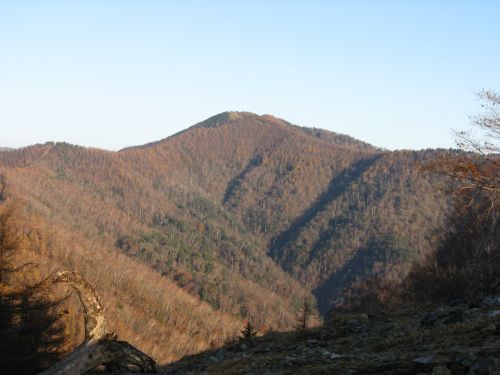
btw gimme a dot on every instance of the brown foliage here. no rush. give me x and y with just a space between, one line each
304 316
466 265
479 168
467 262
371 294
210 204
31 329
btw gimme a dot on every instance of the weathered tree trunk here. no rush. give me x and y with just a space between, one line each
93 312
100 350
106 355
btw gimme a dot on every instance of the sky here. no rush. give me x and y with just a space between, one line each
111 74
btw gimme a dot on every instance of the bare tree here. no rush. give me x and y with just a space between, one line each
478 168
303 317
467 261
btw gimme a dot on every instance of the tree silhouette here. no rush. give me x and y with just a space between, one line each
477 169
466 264
31 334
304 316
248 332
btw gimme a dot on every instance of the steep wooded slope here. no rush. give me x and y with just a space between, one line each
145 207
248 213
328 208
319 202
144 308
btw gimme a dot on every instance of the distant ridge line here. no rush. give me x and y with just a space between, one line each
228 117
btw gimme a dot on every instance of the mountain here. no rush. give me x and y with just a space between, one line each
242 216
6 149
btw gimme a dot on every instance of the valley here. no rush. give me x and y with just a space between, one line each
242 217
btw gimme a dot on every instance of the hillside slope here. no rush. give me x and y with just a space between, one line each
446 340
248 213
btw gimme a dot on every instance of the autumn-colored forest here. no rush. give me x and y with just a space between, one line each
238 218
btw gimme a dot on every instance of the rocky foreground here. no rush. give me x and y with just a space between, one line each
459 339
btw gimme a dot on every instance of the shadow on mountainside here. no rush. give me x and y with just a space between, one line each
237 180
357 267
337 186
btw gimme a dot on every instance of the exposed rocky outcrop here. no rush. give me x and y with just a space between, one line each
459 339
463 338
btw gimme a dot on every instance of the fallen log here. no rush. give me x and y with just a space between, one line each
107 355
101 351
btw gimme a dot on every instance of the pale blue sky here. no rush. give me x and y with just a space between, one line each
110 74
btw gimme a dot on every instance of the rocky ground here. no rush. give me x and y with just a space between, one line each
459 339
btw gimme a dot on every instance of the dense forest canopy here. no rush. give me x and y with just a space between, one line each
238 218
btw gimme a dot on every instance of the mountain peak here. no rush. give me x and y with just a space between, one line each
239 120
222 118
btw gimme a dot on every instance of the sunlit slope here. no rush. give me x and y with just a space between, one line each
248 213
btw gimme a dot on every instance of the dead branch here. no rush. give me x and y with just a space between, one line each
100 350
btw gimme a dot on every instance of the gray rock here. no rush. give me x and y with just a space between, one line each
390 326
458 302
326 353
358 328
491 301
243 346
262 349
220 354
494 313
376 313
335 356
490 328
429 359
481 367
429 319
440 370
358 319
463 361
457 316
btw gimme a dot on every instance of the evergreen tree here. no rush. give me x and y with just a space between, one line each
248 332
30 331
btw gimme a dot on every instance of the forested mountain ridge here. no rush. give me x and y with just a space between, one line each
248 213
